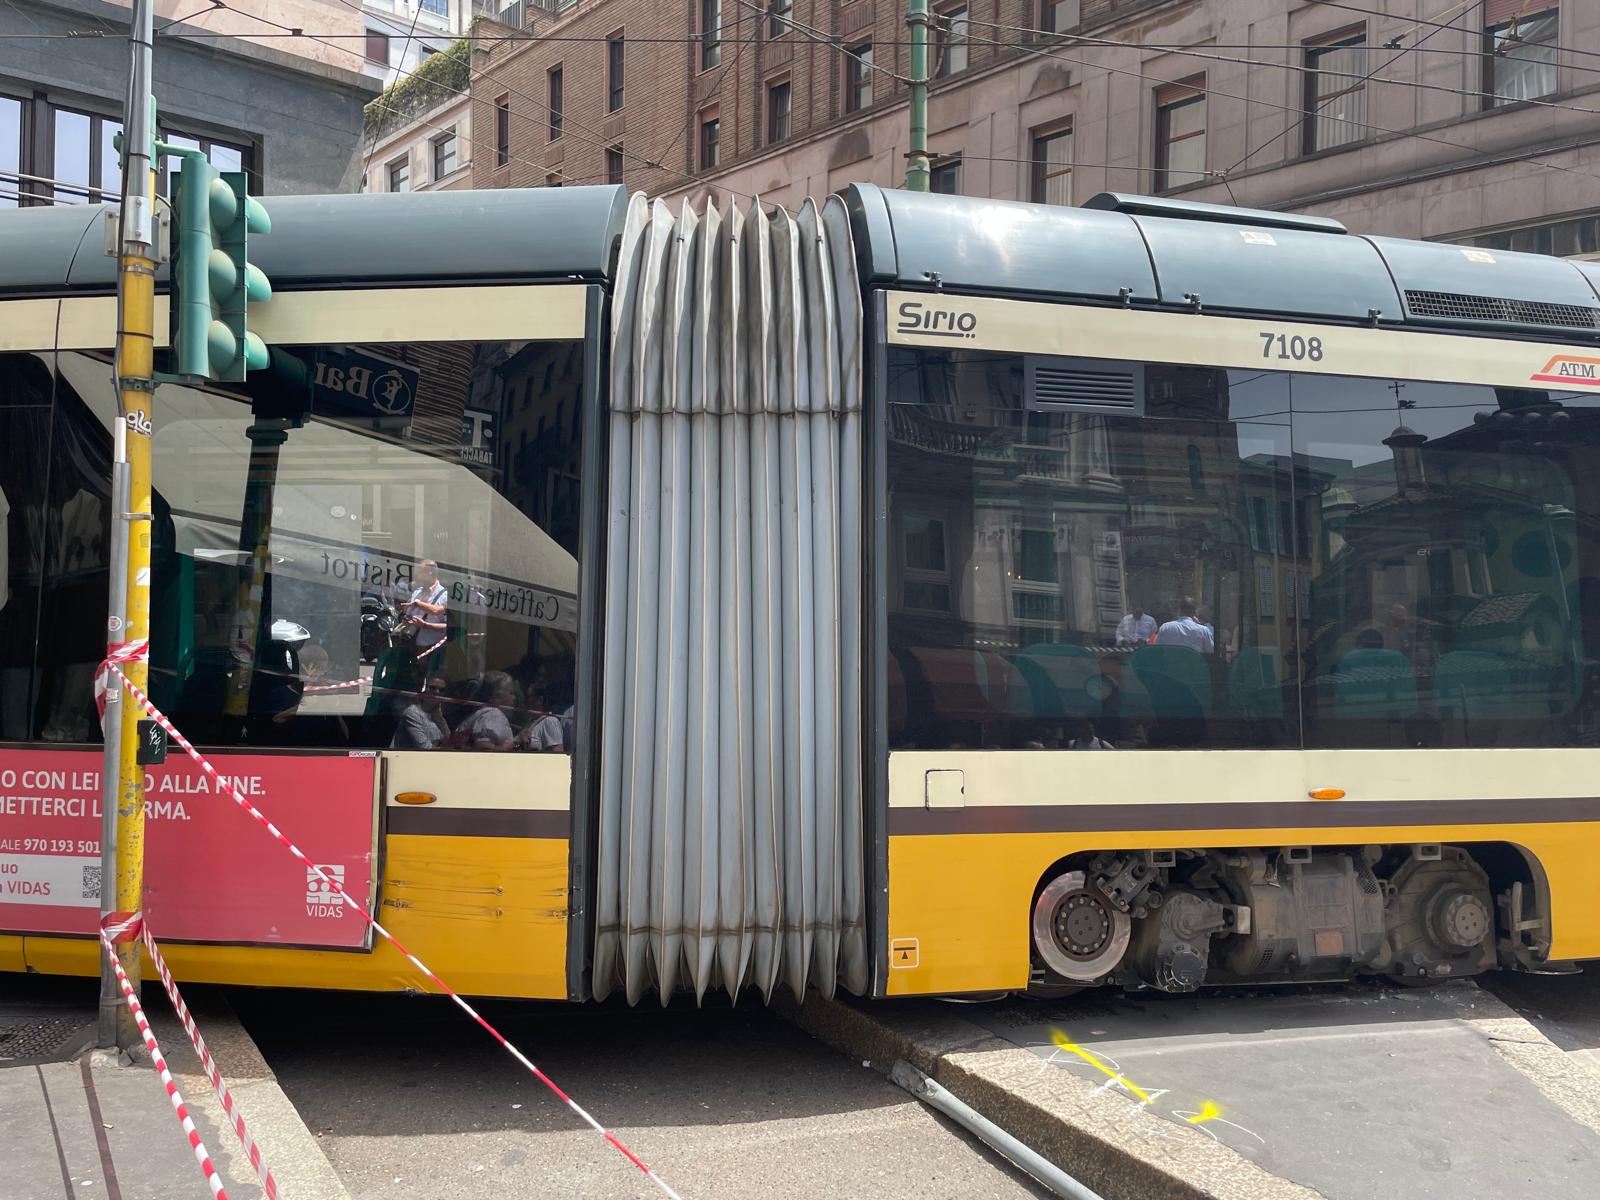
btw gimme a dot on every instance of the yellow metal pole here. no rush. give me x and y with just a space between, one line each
136 323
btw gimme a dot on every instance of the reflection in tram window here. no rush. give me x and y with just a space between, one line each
1208 558
290 507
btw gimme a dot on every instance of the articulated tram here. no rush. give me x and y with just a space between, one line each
908 595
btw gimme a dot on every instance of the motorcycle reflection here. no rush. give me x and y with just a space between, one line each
379 620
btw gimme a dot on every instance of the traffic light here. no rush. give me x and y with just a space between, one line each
213 281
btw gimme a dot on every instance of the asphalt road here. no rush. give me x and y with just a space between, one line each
412 1100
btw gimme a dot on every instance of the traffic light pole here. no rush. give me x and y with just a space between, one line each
135 370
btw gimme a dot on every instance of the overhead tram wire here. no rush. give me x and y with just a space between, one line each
1202 52
1299 112
372 148
1419 21
1468 5
596 140
813 34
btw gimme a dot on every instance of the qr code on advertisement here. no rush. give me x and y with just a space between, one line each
91 883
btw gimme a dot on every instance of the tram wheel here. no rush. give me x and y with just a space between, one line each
1077 931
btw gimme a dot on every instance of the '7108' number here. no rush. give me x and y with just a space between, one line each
1291 346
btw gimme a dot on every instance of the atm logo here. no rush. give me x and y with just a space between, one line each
1570 370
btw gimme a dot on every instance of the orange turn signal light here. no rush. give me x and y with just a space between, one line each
429 797
1327 793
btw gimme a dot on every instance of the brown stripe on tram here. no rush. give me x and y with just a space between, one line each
479 822
1107 818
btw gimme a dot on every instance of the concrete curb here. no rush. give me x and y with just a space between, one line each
291 1150
1099 1136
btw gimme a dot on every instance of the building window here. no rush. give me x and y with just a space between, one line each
1574 237
83 159
553 179
399 175
1520 63
777 111
444 154
377 47
1058 16
553 85
944 177
950 40
1336 92
710 141
614 72
502 131
858 77
1052 167
439 8
614 164
781 13
710 33
224 156
925 583
1180 133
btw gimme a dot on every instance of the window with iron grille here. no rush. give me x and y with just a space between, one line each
950 40
1336 92
1052 167
1519 52
614 54
858 72
778 111
1180 133
555 101
710 141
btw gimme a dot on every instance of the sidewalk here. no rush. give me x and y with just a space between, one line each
80 1126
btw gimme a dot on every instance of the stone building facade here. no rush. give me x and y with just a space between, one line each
1476 123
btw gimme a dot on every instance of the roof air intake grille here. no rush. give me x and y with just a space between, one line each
1459 306
1084 385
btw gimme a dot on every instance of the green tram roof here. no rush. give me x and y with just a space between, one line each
356 240
1165 253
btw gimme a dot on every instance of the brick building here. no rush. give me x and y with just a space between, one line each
1478 122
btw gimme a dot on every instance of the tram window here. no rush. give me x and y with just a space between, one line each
350 466
27 534
1455 596
1058 571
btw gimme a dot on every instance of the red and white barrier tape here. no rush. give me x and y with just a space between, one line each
195 1144
219 783
138 650
209 1066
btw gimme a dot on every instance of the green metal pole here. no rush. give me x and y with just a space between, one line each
917 157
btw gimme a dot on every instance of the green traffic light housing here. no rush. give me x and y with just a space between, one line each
214 281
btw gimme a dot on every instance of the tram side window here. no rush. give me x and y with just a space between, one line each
1065 579
303 516
27 532
1457 596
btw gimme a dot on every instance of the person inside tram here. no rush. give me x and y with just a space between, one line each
422 722
1085 738
1136 627
487 727
1187 630
544 734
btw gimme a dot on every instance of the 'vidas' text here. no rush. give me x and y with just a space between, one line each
919 318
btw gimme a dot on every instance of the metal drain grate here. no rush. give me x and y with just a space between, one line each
38 1037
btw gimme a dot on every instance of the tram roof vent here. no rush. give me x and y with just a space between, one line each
1090 385
1194 210
1444 284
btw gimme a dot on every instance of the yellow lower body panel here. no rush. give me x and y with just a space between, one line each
488 914
959 903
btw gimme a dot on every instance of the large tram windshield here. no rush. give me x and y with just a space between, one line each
1111 555
299 517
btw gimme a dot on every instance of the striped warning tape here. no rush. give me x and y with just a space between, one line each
219 783
209 1066
195 1144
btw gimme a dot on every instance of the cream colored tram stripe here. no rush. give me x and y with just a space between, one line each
1028 327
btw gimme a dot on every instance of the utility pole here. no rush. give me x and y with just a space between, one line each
135 369
917 157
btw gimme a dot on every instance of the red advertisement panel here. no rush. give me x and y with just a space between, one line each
211 873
